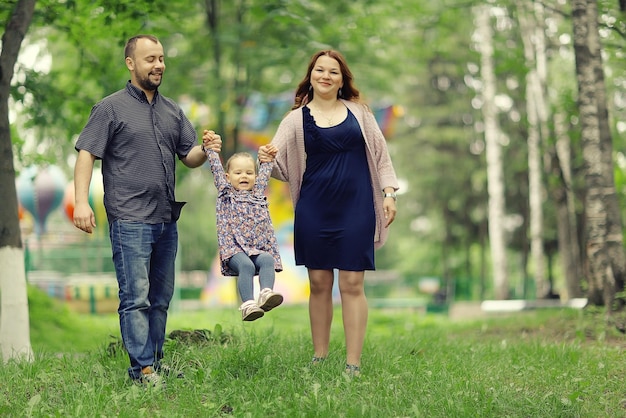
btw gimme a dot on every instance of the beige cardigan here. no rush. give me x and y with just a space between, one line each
291 159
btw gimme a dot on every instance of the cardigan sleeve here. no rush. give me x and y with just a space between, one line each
290 161
281 139
384 166
379 163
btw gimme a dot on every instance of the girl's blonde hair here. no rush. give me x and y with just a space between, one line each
241 154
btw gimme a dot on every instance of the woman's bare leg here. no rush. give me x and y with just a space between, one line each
354 313
321 309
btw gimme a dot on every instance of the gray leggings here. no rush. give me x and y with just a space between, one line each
247 267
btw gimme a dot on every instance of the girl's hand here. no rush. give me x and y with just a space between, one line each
211 140
267 153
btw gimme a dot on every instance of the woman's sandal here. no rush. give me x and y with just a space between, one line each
317 360
353 370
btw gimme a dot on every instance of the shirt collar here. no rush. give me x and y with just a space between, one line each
138 94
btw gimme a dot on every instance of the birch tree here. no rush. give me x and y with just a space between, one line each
614 238
601 231
565 200
14 318
495 174
531 22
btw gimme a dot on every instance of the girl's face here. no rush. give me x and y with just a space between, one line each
241 173
326 77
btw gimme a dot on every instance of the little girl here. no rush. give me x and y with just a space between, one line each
245 235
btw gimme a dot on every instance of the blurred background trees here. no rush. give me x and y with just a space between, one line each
233 65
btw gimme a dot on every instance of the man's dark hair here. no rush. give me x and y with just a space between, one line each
129 50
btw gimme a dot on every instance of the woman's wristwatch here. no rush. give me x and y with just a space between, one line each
391 195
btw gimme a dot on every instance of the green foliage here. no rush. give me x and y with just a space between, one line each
417 55
541 363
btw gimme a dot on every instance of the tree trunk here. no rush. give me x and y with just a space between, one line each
495 173
534 109
567 225
599 185
213 17
14 320
242 78
614 238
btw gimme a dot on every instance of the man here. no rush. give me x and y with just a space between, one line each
137 133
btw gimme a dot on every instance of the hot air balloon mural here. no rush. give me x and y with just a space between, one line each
40 191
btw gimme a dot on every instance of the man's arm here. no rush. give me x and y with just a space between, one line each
197 156
84 217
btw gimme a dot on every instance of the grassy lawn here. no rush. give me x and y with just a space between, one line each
549 363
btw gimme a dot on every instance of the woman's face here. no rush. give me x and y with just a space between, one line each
326 77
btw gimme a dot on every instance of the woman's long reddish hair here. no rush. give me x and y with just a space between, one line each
304 93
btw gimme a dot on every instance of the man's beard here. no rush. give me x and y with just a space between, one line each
148 85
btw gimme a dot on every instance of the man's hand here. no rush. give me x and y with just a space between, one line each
211 140
84 218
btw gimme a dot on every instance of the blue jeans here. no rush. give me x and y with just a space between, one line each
144 257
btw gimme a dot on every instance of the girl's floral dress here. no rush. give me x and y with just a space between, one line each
243 218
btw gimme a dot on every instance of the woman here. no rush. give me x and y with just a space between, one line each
342 184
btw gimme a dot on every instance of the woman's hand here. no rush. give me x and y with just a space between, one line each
389 208
267 153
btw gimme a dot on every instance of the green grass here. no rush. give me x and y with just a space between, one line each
551 363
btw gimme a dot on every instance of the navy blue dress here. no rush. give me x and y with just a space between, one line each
334 218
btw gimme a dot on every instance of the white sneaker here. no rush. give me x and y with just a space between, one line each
268 299
250 311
